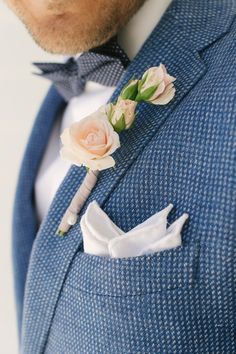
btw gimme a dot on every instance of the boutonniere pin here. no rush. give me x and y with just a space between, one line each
91 141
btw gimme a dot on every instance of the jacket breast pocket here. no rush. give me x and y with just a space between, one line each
120 306
169 269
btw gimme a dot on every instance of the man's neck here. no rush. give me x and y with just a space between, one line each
134 34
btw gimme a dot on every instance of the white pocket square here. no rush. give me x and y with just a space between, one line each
103 238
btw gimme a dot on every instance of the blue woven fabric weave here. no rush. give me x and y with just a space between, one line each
179 301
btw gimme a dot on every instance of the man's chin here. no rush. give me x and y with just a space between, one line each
57 47
59 38
65 46
73 26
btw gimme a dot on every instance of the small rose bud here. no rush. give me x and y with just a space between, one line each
123 114
156 86
130 91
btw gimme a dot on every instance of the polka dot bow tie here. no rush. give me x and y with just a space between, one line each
104 65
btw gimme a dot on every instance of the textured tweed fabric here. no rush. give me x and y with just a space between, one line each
177 301
104 65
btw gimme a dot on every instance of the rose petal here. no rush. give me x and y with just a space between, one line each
68 155
166 97
65 137
159 90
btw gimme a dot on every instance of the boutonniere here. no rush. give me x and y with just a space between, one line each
92 141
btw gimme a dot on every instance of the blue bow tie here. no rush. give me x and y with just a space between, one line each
104 65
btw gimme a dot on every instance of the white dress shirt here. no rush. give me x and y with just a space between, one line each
53 170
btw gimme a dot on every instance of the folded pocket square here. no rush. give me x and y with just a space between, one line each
103 238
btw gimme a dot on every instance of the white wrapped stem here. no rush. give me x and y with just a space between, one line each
78 201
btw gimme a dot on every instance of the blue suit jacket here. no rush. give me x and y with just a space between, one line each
175 301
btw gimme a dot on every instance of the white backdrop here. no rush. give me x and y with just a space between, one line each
20 96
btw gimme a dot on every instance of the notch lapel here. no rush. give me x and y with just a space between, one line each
174 42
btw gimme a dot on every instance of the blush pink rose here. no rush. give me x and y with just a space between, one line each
90 142
165 90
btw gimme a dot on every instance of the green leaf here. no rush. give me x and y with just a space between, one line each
138 98
120 124
130 93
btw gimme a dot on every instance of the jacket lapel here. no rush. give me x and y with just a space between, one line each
25 223
184 30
